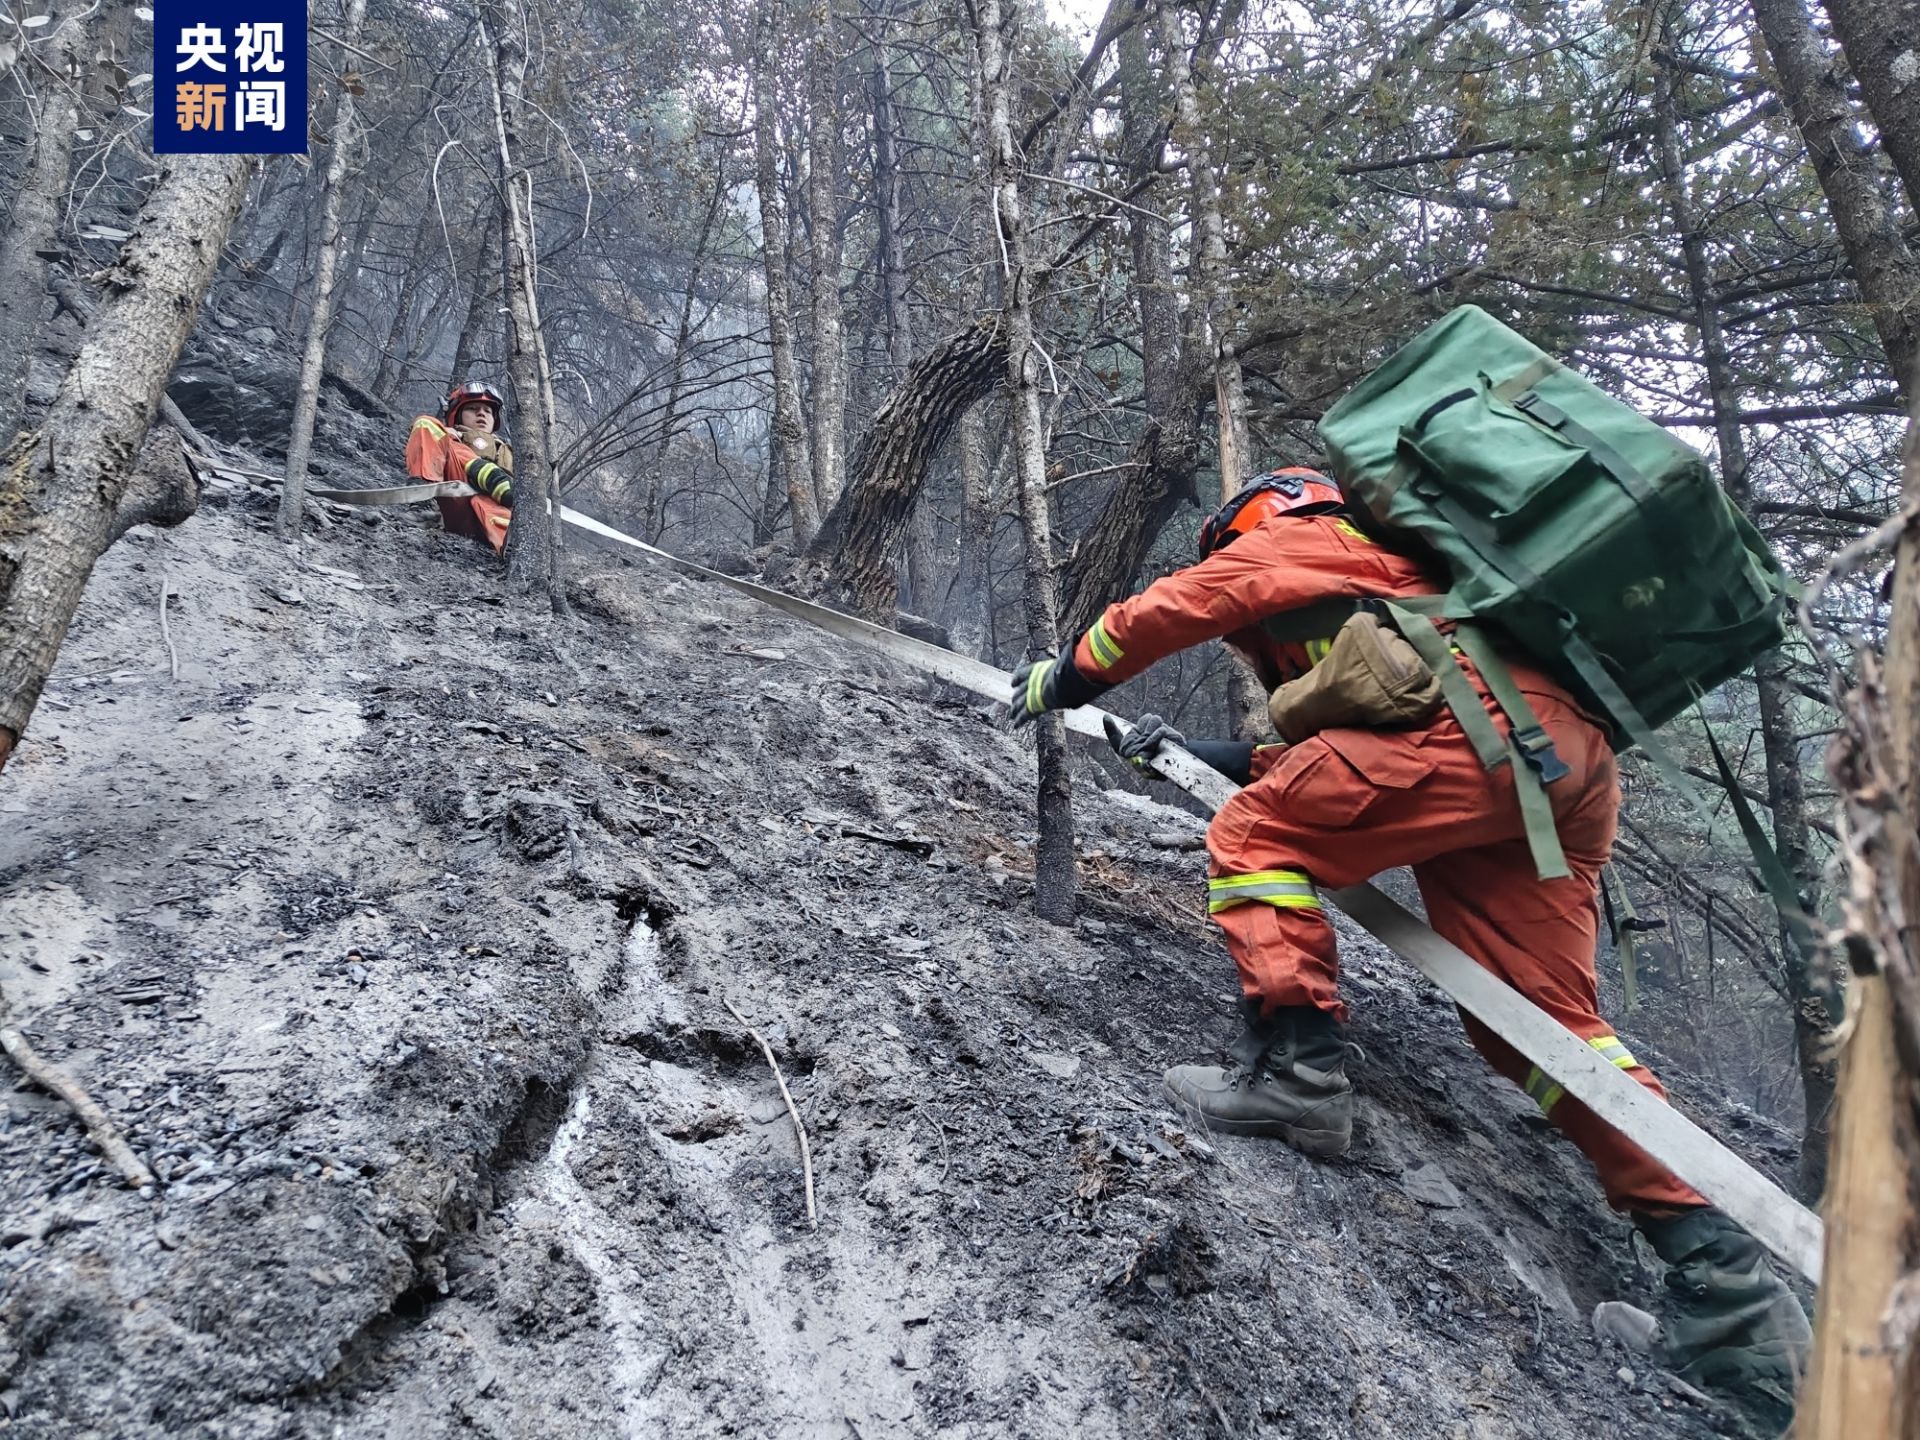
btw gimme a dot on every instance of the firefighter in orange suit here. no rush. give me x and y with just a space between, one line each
465 447
1344 804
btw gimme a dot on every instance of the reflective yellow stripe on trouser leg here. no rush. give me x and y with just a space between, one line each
1546 1094
1289 889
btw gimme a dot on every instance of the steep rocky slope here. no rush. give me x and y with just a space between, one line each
400 932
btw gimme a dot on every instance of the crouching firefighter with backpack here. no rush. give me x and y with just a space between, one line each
1381 771
464 447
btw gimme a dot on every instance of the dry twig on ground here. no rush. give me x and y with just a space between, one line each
166 630
806 1151
49 1077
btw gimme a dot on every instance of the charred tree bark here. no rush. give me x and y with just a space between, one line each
1864 1379
1177 377
803 516
1210 321
766 521
1884 267
823 206
1881 39
62 487
886 180
479 300
1811 990
971 595
996 37
862 533
531 553
36 216
1157 482
652 508
397 351
346 139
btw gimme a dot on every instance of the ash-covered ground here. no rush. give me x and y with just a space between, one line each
399 934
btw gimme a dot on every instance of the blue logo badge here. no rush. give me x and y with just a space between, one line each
229 77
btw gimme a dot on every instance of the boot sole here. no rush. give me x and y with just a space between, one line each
1321 1144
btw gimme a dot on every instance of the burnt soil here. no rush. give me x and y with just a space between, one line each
398 934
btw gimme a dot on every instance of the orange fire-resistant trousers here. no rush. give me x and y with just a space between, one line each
1347 804
477 518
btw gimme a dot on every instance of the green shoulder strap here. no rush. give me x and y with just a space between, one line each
1774 874
1540 764
1527 746
1431 646
1318 621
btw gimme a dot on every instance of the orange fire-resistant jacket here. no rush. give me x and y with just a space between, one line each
1286 563
435 453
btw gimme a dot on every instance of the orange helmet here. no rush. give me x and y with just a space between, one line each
469 391
1295 490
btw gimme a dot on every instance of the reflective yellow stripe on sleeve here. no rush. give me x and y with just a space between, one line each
1106 654
431 426
1317 650
1288 889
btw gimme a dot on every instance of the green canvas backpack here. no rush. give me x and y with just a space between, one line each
1572 528
1589 536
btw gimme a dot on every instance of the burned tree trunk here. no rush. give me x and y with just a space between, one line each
1815 1007
531 541
996 37
36 217
862 533
894 280
972 596
479 299
63 487
1864 1379
1158 480
1884 268
1176 375
823 205
293 491
1881 39
796 453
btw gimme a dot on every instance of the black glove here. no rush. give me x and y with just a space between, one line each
1232 758
1050 683
1138 746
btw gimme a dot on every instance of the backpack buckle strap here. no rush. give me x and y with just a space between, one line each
1529 736
1542 411
1536 748
1540 408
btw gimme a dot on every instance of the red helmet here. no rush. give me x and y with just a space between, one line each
1293 491
468 391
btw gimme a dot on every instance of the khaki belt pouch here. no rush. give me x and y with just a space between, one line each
1371 679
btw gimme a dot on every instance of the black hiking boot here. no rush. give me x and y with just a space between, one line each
1288 1080
1733 1324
